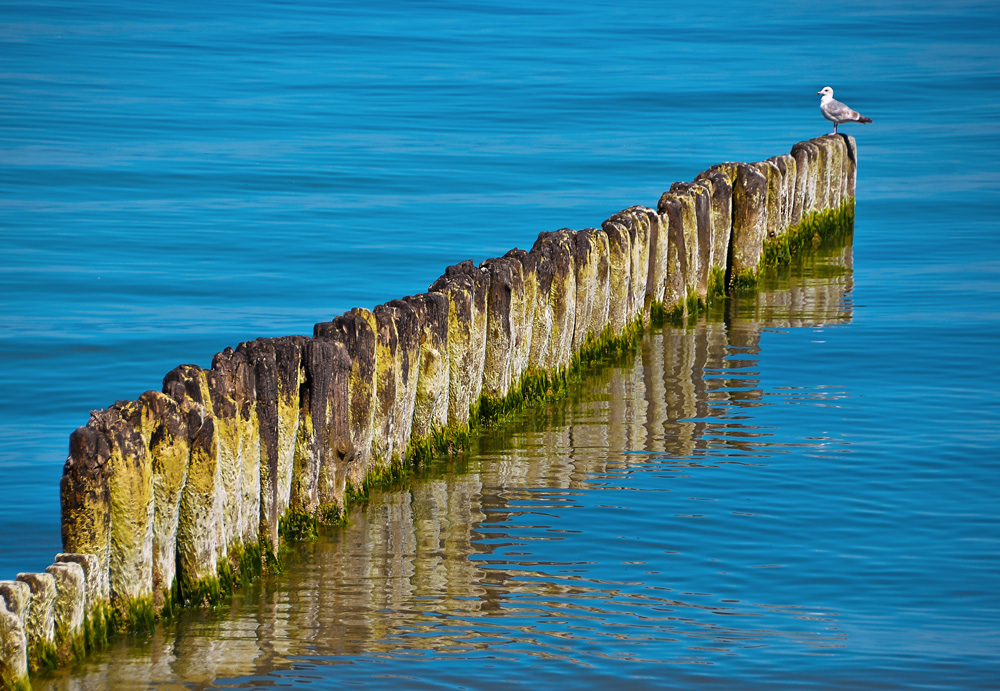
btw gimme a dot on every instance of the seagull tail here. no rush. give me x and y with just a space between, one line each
862 118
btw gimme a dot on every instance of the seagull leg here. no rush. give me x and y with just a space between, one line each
835 128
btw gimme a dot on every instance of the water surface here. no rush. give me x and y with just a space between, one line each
818 503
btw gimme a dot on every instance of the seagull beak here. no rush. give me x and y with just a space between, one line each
818 92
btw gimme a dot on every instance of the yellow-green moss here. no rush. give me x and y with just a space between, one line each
99 625
657 313
8 682
809 234
716 286
43 656
203 591
745 282
608 344
227 578
387 476
297 525
248 561
539 385
71 645
140 615
534 386
243 564
271 558
331 514
682 312
170 603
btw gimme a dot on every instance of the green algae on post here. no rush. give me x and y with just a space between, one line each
810 233
814 230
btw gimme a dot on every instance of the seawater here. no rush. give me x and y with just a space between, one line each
801 493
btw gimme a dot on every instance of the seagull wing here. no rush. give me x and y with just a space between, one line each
840 112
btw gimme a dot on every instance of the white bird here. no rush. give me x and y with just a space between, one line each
837 112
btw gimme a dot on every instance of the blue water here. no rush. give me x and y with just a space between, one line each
179 178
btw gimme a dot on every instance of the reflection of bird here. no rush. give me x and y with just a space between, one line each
837 112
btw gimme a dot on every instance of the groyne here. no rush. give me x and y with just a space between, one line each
174 498
687 395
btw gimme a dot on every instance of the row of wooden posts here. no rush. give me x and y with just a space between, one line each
165 497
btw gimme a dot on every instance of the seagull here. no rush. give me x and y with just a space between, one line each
837 112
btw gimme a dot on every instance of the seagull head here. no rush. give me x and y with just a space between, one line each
825 91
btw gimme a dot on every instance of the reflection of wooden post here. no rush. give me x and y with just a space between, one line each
430 521
702 352
679 391
805 300
618 413
653 378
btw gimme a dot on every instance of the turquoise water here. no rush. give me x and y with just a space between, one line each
174 180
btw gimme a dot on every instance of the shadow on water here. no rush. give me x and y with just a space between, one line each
560 538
